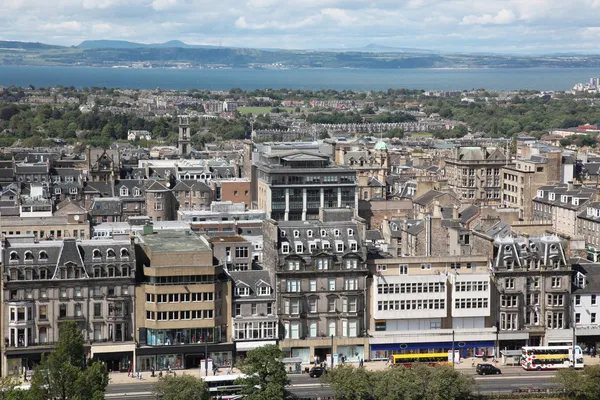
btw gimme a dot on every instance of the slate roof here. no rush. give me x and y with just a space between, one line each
253 279
427 198
468 213
591 271
584 194
373 235
106 206
593 217
104 189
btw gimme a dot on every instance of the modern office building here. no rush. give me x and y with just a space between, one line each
183 302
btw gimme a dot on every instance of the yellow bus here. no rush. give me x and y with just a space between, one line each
407 360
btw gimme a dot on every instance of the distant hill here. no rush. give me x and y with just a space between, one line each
123 44
5 44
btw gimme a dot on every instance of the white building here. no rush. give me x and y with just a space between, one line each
133 135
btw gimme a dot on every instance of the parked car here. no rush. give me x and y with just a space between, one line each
487 369
316 372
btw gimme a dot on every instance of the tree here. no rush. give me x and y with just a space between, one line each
183 387
65 375
350 383
265 374
583 385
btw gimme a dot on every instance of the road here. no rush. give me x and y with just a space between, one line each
306 387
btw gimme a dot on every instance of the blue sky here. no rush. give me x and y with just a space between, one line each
506 26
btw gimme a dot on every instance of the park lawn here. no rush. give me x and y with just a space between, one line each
262 110
420 134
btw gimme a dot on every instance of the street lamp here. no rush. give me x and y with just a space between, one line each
331 351
452 349
206 354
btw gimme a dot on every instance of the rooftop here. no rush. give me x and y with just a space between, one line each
174 241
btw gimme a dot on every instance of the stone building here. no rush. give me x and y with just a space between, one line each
474 174
48 282
322 282
532 278
183 302
159 202
561 204
588 227
522 179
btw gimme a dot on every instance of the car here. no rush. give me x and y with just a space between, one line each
487 369
316 372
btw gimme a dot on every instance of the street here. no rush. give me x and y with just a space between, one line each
305 387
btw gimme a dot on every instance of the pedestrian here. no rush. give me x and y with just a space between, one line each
472 361
152 371
128 372
360 362
229 370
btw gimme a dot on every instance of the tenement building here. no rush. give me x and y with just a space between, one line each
49 282
322 280
474 174
182 302
294 181
533 281
588 227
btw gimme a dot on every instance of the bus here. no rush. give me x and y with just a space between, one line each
407 360
223 387
537 358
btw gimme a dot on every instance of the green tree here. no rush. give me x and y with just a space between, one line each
584 385
183 387
65 375
350 383
265 374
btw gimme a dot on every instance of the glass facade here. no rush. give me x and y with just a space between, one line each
168 337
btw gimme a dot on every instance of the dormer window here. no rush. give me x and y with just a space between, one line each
124 253
353 246
242 291
28 256
580 280
285 248
575 201
124 191
351 264
323 233
350 232
551 196
282 234
96 254
136 192
264 290
591 212
507 249
326 245
322 264
339 247
563 199
43 256
299 248
540 193
110 253
309 233
336 232
14 256
296 234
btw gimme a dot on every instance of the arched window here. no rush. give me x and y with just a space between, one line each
43 256
14 256
96 253
313 329
28 256
110 253
124 253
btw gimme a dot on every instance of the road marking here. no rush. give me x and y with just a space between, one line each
134 394
490 377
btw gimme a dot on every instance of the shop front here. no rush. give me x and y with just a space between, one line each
177 357
466 349
116 357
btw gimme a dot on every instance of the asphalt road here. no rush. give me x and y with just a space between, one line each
305 387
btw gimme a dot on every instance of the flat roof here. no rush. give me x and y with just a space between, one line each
174 241
227 239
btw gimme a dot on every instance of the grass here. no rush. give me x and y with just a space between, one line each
420 134
262 110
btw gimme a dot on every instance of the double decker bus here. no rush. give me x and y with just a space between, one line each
407 360
223 387
537 358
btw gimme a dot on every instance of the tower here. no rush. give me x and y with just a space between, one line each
184 135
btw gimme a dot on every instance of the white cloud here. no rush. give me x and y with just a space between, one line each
94 4
161 5
102 28
62 26
262 3
503 17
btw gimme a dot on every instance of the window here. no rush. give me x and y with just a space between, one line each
381 267
309 233
577 300
43 256
293 285
508 321
28 256
331 284
353 246
62 311
352 305
124 253
339 247
269 308
295 306
241 252
124 191
264 290
253 309
331 305
299 248
312 285
322 263
556 282
238 310
97 310
577 318
293 265
351 284
555 320
285 248
43 313
96 254
312 330
425 266
331 328
593 318
242 291
509 283
403 269
312 305
509 301
593 299
351 264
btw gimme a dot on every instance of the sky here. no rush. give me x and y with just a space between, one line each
499 26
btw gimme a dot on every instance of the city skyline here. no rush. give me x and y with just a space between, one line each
511 26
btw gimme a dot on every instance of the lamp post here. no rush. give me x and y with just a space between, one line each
452 349
331 351
206 354
573 321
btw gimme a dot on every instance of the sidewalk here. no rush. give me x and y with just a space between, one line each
118 378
